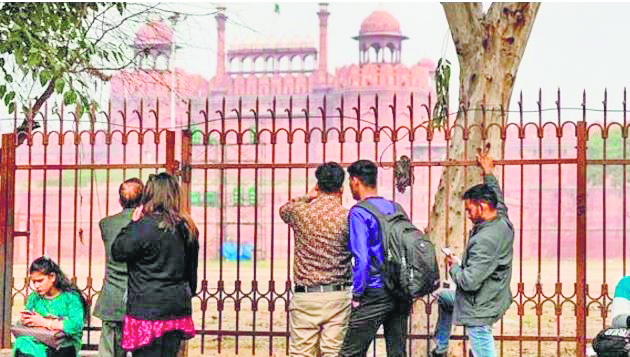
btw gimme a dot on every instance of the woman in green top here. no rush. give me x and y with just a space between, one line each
56 304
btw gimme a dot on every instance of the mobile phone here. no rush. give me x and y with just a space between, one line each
447 251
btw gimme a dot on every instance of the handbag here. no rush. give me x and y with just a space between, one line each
51 338
612 342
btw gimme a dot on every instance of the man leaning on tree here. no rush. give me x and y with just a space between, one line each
320 307
482 277
110 306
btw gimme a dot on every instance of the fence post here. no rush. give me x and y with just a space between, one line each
580 286
171 163
186 171
7 207
185 175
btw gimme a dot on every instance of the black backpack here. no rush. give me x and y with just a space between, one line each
612 342
409 268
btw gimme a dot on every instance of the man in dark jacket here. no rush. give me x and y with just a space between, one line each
372 303
482 277
110 306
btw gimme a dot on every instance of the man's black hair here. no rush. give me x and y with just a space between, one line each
365 171
481 192
330 177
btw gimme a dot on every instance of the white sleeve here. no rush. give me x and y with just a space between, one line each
620 306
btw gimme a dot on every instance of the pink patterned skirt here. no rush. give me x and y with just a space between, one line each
139 333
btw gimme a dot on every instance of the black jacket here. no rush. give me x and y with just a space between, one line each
162 268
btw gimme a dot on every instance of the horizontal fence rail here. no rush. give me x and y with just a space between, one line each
565 181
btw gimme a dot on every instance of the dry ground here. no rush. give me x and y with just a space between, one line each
555 318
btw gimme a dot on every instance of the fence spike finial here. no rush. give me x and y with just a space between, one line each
558 108
605 104
558 99
584 105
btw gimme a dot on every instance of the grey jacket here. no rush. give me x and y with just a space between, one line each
483 278
110 305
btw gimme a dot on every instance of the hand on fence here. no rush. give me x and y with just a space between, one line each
453 259
484 160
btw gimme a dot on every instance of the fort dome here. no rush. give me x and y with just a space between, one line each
380 22
153 33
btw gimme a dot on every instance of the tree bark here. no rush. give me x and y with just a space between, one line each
489 47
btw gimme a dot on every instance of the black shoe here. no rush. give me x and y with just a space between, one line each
435 354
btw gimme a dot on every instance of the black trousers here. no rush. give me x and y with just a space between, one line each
62 352
377 308
165 346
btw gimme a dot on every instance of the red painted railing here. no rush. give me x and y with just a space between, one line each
565 183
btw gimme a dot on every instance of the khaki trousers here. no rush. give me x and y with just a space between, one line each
318 323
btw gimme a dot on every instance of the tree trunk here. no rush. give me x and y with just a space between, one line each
489 48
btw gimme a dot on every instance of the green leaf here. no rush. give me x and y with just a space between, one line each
19 55
65 24
70 97
59 85
44 77
11 107
3 90
33 60
9 97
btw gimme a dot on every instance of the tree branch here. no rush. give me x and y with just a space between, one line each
122 22
42 98
464 21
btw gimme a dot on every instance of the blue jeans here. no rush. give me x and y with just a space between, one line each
481 339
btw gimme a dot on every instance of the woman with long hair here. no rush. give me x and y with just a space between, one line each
56 304
161 248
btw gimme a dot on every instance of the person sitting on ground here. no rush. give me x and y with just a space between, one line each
56 304
620 305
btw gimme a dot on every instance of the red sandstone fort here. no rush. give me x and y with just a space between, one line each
291 76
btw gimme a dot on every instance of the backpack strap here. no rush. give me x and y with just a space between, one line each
400 210
366 205
381 217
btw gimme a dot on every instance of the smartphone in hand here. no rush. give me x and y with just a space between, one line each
447 251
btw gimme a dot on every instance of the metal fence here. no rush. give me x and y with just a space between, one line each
565 182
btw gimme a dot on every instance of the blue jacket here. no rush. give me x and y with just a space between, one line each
365 245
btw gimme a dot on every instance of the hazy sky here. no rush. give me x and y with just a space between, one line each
573 46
